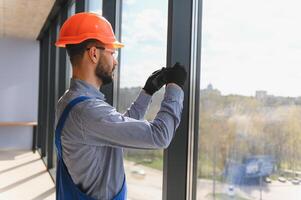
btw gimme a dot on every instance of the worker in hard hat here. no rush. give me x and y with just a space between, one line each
90 133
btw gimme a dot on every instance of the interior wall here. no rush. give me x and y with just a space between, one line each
19 73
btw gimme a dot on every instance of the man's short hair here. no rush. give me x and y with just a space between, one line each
76 51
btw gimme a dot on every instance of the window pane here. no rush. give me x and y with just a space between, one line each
250 130
71 11
144 33
95 6
57 89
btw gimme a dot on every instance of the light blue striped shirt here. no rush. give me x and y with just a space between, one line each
95 133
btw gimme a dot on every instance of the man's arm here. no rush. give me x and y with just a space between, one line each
103 125
154 82
138 109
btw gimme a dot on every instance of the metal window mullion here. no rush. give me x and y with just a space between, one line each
52 95
47 91
192 157
43 124
111 10
80 6
179 159
56 90
41 71
108 11
63 67
117 30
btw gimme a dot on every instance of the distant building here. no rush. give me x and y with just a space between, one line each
210 90
210 87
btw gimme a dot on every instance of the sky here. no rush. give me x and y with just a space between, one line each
246 45
144 33
252 45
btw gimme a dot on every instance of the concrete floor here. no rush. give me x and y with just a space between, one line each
23 176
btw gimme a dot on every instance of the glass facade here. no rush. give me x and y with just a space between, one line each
144 52
250 108
56 91
95 6
149 31
71 11
249 118
71 8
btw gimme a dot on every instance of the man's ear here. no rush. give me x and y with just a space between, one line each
93 54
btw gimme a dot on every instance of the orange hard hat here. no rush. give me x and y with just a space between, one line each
83 26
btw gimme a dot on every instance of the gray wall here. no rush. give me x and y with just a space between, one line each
19 78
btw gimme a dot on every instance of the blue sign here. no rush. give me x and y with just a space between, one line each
250 170
257 166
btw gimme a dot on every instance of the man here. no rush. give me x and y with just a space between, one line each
90 133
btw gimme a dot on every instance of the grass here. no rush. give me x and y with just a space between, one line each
155 164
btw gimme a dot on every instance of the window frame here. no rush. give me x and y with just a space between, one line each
183 45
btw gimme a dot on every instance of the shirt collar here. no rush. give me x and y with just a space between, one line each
86 88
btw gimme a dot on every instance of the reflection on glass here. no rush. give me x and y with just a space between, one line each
95 6
250 130
71 11
144 33
56 97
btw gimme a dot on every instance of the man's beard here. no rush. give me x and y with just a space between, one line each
101 74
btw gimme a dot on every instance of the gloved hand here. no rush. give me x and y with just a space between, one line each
155 81
176 74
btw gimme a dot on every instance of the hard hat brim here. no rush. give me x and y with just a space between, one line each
114 45
79 39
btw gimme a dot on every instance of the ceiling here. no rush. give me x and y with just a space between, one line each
23 18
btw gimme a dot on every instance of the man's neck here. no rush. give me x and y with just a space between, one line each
87 75
95 82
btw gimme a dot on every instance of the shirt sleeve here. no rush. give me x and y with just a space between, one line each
103 125
138 109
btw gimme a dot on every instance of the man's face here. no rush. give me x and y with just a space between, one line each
105 67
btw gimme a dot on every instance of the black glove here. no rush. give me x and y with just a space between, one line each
176 74
155 81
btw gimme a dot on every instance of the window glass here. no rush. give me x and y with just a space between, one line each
144 33
56 96
95 6
250 105
71 11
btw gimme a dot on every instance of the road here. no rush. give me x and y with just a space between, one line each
149 187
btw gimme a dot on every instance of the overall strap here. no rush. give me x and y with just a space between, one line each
62 121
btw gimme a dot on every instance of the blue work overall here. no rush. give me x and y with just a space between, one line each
65 188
